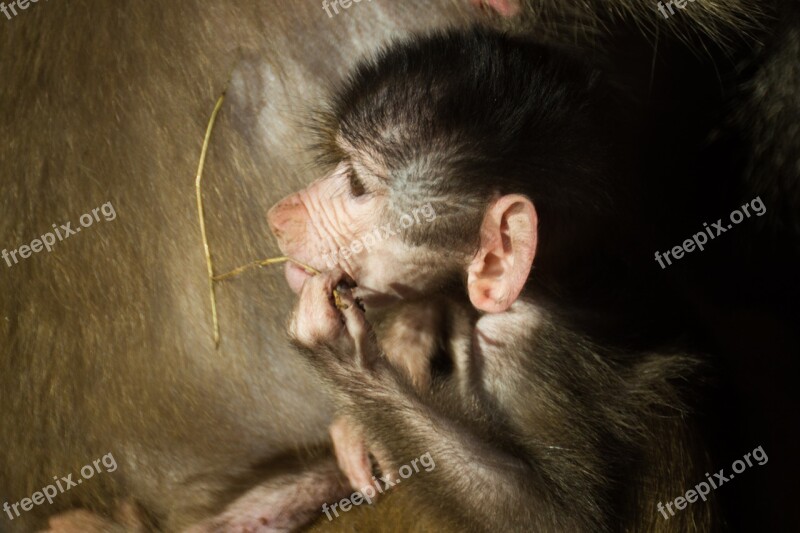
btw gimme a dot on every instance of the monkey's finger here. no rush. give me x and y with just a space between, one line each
344 283
315 319
326 281
359 330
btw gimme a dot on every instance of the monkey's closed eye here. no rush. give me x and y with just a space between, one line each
356 185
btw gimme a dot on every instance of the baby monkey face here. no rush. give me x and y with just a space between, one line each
347 220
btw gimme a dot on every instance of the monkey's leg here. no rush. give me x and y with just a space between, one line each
127 519
284 503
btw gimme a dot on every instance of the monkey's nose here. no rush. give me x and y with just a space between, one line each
286 220
273 218
277 220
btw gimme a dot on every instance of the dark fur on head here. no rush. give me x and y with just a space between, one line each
458 117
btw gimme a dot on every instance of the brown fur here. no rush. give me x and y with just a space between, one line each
107 340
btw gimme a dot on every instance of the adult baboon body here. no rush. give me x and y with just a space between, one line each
107 342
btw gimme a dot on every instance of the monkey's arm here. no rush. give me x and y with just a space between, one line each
408 337
484 482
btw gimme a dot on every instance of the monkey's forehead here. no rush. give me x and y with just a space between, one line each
363 155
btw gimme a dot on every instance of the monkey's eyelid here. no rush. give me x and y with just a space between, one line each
367 167
357 187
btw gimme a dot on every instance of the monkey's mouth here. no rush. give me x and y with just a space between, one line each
295 277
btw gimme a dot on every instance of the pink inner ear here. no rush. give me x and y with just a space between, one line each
504 8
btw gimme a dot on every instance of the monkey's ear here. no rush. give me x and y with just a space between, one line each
497 274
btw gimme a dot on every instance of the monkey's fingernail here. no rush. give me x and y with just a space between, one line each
360 304
337 299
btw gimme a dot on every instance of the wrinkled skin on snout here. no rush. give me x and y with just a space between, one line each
340 221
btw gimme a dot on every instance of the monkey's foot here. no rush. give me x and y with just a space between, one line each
81 521
351 453
283 504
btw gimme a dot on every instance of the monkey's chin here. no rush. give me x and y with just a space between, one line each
295 277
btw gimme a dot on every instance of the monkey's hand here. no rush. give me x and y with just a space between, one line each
337 338
340 343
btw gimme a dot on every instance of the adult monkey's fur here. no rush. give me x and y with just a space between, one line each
105 341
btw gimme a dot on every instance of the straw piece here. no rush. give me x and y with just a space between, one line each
201 216
337 297
265 262
209 264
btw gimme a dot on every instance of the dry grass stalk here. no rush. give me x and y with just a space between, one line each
209 263
265 262
201 216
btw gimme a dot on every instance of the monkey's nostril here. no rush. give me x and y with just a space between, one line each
271 215
277 220
286 214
